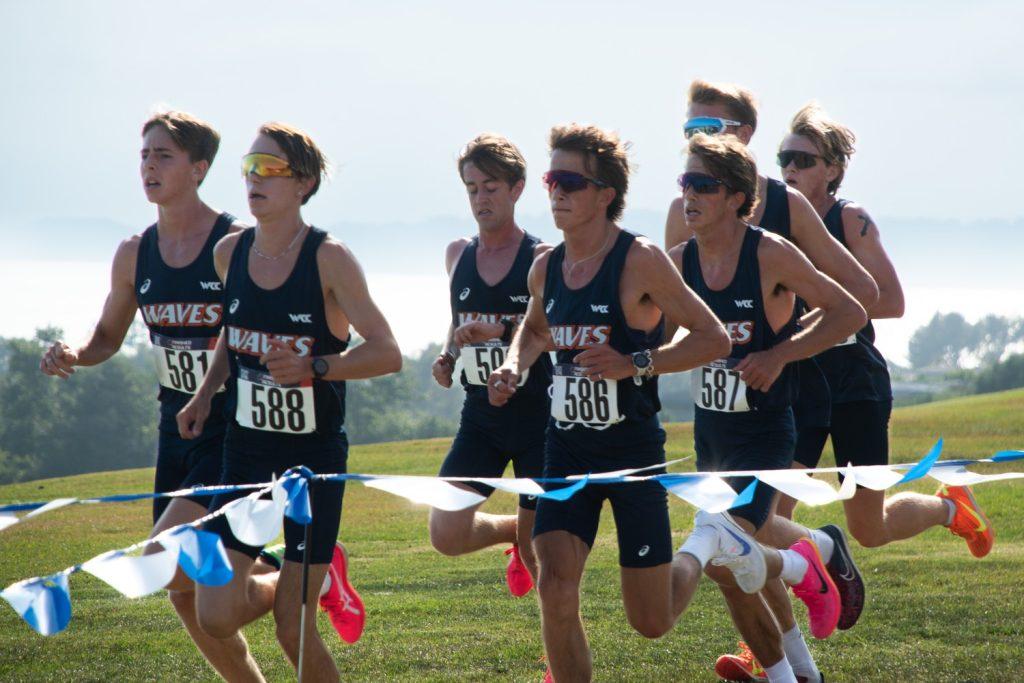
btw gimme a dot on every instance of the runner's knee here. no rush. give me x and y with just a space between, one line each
447 538
650 625
217 622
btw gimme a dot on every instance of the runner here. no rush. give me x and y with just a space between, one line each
814 157
167 272
602 299
719 108
291 293
743 417
488 298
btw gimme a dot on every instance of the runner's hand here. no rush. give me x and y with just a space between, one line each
604 362
58 361
476 332
286 366
760 369
193 416
501 385
442 370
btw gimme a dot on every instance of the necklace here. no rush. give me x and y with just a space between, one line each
291 246
572 267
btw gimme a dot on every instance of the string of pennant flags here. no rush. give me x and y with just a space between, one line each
45 602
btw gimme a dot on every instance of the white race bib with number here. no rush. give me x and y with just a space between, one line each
718 387
266 405
577 399
852 339
480 360
181 364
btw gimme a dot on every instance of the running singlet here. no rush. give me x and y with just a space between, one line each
740 306
855 369
473 300
182 307
776 208
264 413
590 316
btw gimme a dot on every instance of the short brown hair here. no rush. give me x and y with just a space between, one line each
833 140
605 155
729 160
496 156
192 135
738 100
304 157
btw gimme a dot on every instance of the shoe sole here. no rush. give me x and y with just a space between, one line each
739 533
728 670
851 590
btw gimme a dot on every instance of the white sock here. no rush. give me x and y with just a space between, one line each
780 672
702 543
794 566
327 585
952 510
795 647
826 546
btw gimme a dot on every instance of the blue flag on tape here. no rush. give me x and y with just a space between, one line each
566 492
927 462
45 603
203 557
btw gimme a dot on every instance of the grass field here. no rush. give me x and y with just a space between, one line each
934 612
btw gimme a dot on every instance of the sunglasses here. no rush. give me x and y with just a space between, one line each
569 181
802 159
709 125
701 183
266 166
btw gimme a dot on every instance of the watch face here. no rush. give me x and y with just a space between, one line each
320 367
641 360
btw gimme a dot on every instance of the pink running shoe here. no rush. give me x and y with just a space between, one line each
817 591
518 577
342 603
547 676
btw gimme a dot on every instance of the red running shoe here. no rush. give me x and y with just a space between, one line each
547 676
742 666
342 603
518 577
818 591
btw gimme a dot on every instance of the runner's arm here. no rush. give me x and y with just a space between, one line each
706 340
826 253
115 320
344 279
840 316
866 246
531 339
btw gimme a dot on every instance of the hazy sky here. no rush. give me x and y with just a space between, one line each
391 91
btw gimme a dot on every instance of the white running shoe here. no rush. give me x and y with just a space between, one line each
737 551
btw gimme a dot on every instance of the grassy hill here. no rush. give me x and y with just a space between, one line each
934 612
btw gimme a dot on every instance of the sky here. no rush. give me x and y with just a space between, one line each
391 91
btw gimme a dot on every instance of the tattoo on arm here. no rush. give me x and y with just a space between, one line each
867 224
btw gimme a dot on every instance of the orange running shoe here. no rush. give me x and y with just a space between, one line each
740 667
518 577
969 522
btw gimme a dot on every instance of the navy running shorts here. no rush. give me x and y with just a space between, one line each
187 463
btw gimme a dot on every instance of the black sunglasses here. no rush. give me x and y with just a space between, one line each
802 159
569 181
702 183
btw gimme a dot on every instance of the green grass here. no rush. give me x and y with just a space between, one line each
934 613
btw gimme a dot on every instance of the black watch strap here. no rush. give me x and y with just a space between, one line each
506 336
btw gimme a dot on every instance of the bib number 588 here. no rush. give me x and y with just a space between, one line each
277 408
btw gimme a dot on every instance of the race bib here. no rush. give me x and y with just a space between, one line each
577 399
852 339
266 405
181 364
480 360
718 387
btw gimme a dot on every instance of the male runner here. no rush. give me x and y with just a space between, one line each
743 418
291 293
167 272
814 157
601 299
488 297
719 108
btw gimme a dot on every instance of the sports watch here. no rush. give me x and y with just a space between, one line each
320 368
643 364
